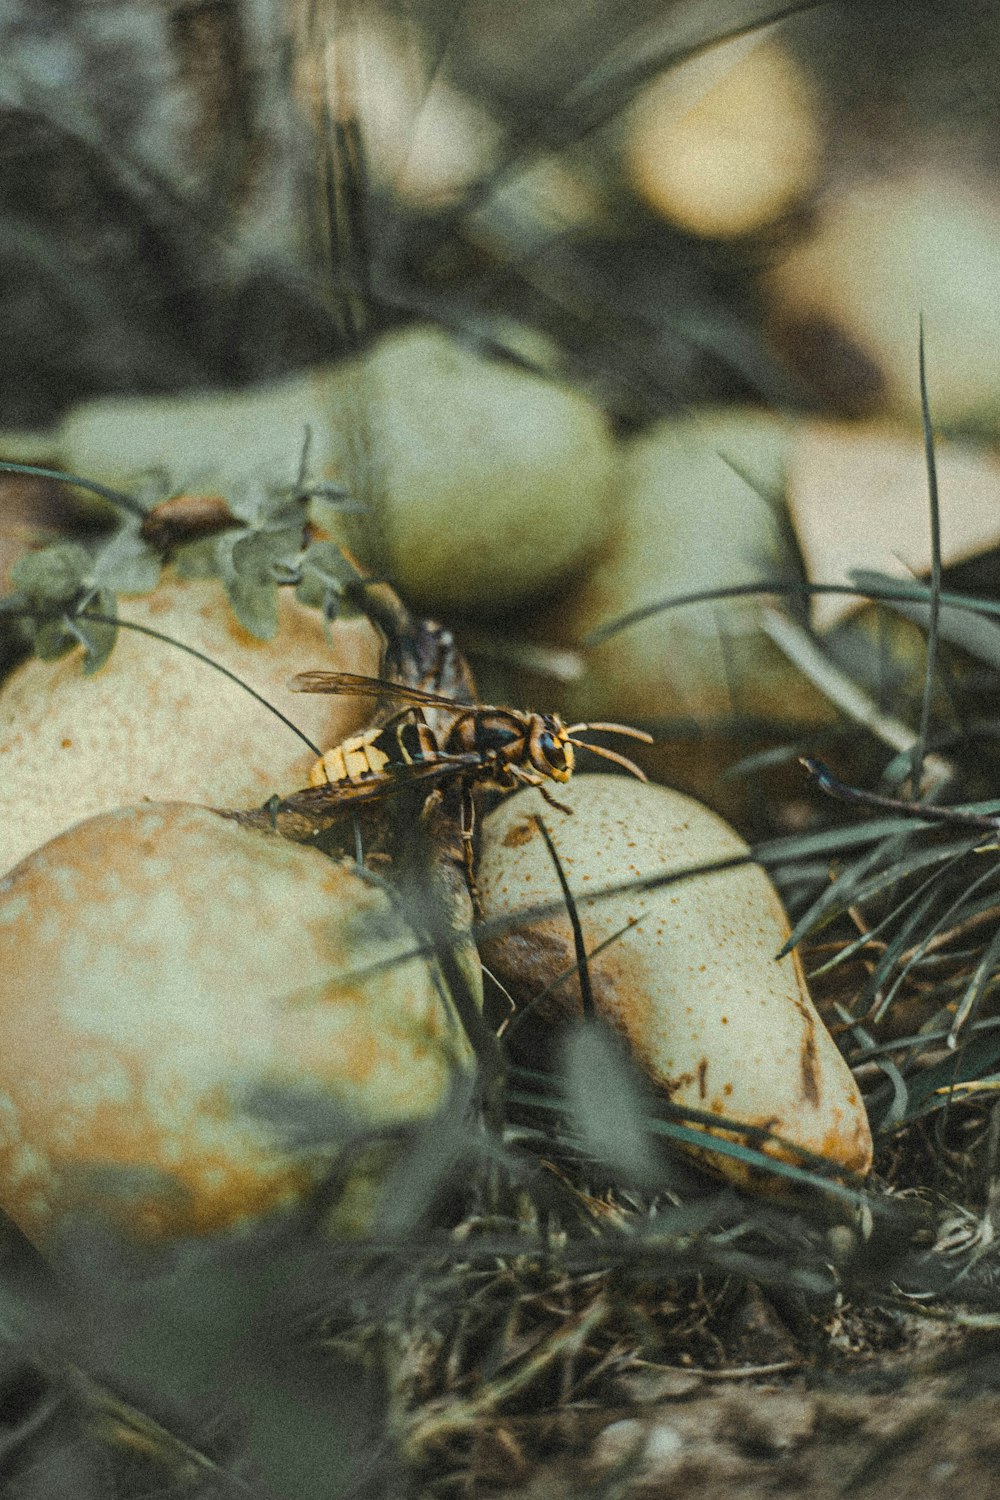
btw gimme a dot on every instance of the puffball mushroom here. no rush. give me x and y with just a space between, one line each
156 722
857 500
698 508
485 482
210 442
163 973
886 253
729 141
708 1012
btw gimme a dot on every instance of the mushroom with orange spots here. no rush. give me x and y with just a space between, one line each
688 972
155 721
176 991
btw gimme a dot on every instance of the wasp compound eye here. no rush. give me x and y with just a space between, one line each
554 750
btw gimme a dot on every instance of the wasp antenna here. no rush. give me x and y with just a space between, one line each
634 734
619 760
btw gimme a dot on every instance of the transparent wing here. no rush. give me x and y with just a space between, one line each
325 799
354 685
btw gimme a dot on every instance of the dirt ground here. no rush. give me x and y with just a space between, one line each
761 1440
901 1427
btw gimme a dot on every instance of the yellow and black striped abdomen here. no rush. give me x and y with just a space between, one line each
377 752
354 760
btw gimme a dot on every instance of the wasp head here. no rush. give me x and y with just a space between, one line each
549 750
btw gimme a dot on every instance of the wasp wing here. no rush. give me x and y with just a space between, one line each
348 796
353 684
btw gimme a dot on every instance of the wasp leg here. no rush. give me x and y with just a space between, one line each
468 830
530 779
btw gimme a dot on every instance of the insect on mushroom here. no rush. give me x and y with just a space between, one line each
495 748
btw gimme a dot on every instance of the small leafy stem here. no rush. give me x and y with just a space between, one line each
260 541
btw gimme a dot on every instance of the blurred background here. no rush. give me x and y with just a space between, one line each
162 222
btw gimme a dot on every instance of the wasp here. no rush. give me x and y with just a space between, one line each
474 744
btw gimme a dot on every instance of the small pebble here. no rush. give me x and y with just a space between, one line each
654 1450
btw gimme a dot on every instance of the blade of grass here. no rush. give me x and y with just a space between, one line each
118 498
579 946
976 988
934 505
915 593
866 939
803 652
942 922
855 883
704 1143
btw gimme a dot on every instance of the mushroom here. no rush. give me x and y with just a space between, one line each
729 142
696 511
175 992
485 482
689 976
886 253
156 722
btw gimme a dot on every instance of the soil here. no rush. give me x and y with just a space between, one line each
900 1428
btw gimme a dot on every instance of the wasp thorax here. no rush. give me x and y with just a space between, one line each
494 733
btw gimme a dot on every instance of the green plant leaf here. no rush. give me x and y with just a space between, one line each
97 636
255 554
248 562
326 576
127 564
51 639
54 575
277 509
201 559
254 604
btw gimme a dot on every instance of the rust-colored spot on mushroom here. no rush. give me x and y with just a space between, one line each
66 744
519 833
851 1150
671 1086
702 1075
530 960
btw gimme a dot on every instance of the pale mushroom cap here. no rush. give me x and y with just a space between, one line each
857 498
223 441
694 985
485 482
885 256
161 969
155 722
727 143
697 510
